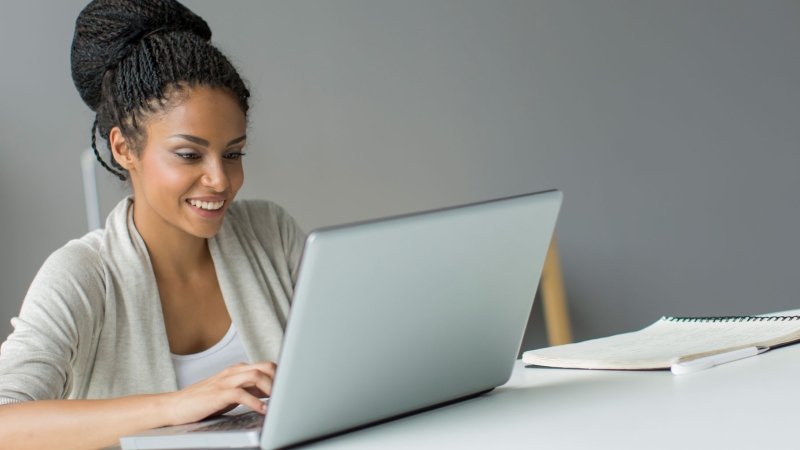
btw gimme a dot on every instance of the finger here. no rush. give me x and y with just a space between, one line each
264 384
268 368
243 397
250 378
258 392
260 386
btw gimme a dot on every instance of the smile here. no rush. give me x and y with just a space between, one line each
210 206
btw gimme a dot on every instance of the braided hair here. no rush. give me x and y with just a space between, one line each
133 58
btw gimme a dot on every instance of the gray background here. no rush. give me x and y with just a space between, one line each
671 127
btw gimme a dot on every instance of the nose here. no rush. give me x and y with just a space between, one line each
214 175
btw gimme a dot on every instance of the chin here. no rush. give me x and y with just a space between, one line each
202 223
205 232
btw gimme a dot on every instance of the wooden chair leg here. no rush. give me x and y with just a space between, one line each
554 299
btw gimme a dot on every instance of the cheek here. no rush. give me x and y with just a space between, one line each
236 178
166 181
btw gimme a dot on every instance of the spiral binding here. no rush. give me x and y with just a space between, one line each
731 319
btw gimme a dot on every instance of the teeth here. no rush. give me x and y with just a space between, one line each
211 206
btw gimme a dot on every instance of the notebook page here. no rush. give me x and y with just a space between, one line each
664 343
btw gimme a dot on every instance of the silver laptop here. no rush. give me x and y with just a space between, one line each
391 317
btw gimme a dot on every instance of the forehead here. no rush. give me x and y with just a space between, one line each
209 113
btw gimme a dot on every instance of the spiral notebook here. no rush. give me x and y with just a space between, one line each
672 340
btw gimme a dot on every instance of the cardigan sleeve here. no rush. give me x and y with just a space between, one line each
57 326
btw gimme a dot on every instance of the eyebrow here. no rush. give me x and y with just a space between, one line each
205 143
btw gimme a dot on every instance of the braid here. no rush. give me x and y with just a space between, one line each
133 58
121 176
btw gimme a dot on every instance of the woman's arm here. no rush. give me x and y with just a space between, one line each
78 424
82 424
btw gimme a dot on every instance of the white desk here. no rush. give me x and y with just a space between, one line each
752 403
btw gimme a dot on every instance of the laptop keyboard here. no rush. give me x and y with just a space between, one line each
244 421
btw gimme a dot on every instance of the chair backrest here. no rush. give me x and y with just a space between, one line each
101 191
90 196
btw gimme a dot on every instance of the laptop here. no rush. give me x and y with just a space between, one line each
391 317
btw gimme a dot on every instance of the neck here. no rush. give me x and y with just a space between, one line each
173 252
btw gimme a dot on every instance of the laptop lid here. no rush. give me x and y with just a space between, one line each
401 314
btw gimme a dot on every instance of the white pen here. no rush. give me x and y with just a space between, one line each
715 360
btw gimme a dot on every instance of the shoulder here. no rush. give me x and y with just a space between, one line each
78 260
69 290
57 323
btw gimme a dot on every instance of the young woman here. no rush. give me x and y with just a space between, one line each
176 310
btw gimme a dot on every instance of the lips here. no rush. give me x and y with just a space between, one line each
210 206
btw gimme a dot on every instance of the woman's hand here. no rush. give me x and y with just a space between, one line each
240 384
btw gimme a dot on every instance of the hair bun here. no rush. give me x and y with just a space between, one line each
106 31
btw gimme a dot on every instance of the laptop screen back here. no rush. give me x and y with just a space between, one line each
400 314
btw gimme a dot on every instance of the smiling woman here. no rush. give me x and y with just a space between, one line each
126 315
200 164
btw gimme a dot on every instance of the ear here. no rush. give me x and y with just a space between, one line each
120 150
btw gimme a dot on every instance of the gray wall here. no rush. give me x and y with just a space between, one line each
671 127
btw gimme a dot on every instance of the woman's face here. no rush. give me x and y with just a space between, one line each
190 167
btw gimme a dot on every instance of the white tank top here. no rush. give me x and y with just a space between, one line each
190 369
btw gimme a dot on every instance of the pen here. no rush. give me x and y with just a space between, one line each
715 360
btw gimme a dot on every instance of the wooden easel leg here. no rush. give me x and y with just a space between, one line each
554 299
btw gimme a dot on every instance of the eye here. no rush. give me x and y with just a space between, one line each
189 156
234 156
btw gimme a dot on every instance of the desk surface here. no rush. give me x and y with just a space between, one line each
749 403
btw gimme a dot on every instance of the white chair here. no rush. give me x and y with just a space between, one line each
88 164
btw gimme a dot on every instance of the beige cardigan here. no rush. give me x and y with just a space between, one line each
91 325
